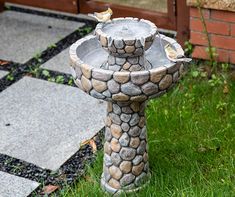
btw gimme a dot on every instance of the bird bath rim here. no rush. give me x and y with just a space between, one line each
110 37
86 75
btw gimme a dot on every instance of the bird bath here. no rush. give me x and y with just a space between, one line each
125 65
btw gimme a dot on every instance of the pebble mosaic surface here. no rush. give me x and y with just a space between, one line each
126 82
125 150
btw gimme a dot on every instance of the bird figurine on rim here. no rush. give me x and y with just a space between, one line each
102 17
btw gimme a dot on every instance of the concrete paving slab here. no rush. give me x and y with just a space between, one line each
44 123
14 186
59 63
3 73
24 35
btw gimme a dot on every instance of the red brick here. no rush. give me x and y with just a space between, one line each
223 15
224 42
232 57
200 53
198 38
195 13
216 27
233 30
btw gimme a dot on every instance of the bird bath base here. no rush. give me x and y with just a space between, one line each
126 164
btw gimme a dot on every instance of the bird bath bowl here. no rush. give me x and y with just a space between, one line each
125 65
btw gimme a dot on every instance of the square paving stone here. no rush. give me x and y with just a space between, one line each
24 35
44 123
14 186
3 73
59 63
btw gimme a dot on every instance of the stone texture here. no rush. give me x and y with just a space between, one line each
127 110
125 117
143 133
157 74
121 77
115 172
99 86
118 44
135 106
165 82
138 79
127 179
107 160
136 170
115 118
107 148
141 179
115 146
125 126
137 160
120 97
86 71
116 131
114 183
108 135
134 131
127 153
142 147
86 84
149 88
113 86
124 139
116 109
141 122
46 120
106 174
102 75
116 159
145 157
134 119
126 167
138 98
130 89
120 61
134 143
129 49
96 94
14 186
14 28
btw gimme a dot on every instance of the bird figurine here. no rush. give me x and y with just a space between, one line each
102 16
172 55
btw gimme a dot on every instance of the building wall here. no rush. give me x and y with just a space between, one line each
221 27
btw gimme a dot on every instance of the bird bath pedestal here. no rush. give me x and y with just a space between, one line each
125 65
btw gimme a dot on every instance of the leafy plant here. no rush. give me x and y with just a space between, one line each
188 48
210 50
52 46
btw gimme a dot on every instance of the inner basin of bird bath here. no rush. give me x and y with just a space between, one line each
124 63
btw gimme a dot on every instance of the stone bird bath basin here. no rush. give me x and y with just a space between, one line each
125 65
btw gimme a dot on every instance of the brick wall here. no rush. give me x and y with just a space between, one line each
221 27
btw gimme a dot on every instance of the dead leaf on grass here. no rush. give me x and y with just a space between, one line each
48 189
93 145
3 62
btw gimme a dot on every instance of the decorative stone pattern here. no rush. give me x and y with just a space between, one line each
125 152
126 81
124 86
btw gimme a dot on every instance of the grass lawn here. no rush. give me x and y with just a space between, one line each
191 135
